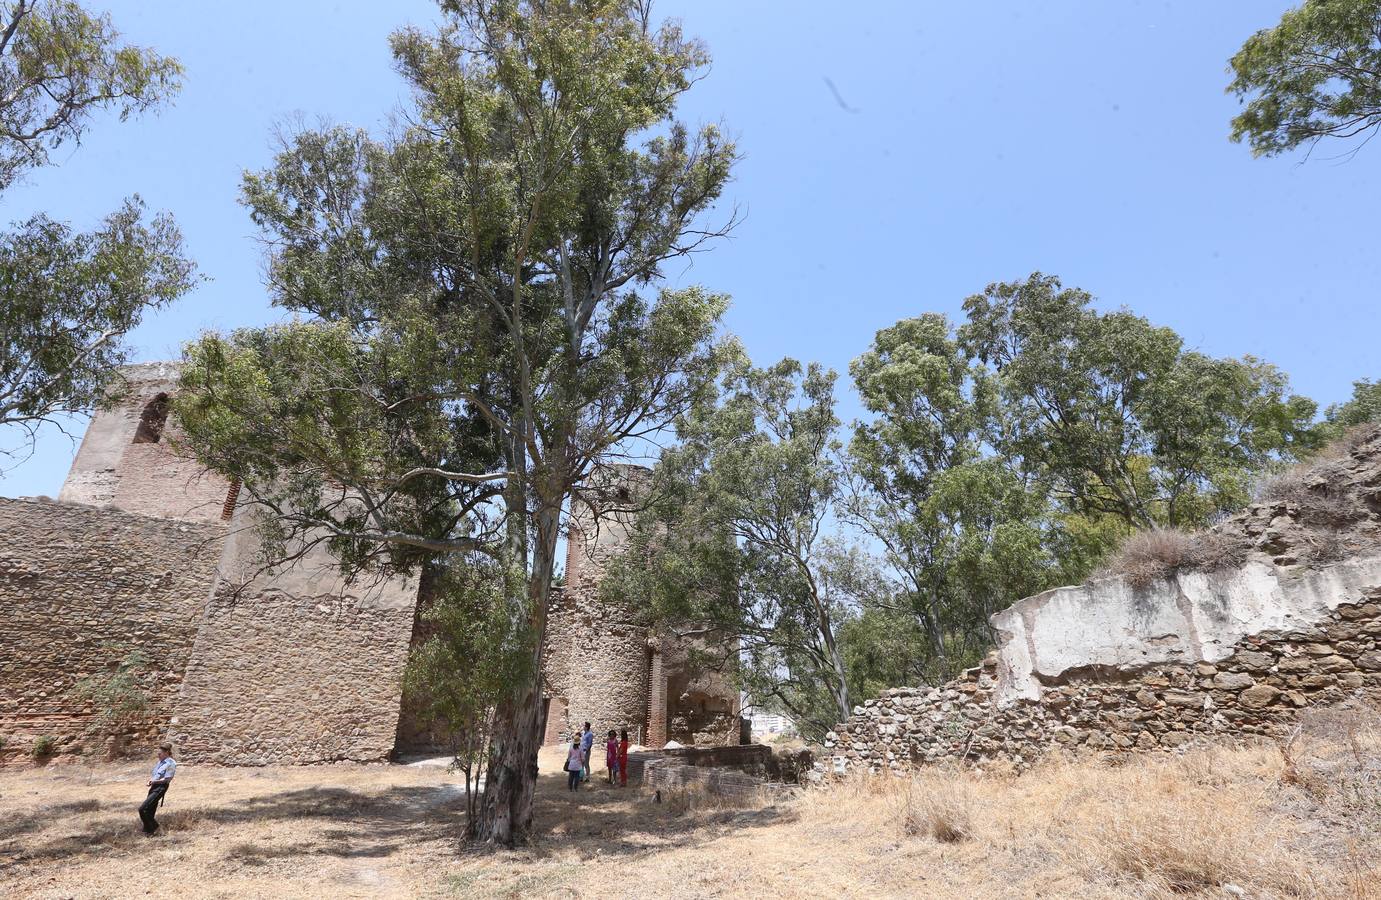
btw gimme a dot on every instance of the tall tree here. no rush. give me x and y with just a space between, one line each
476 339
962 526
1119 416
70 297
1316 74
735 539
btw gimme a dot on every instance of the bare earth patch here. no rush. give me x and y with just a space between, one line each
1215 822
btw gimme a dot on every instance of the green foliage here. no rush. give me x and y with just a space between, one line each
1364 406
1316 74
457 676
70 297
734 539
118 696
964 531
43 746
1118 416
482 329
59 64
1014 453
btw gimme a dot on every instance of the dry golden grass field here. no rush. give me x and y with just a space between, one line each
1214 822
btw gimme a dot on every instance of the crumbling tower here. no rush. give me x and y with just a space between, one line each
129 459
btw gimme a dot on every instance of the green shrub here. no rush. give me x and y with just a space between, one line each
44 746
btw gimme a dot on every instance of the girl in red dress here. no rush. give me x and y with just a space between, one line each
623 758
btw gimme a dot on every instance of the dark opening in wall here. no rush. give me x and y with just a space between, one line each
152 421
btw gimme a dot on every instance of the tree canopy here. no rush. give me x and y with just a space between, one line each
1315 74
69 296
482 321
734 540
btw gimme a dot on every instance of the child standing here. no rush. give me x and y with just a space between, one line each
611 755
623 758
575 764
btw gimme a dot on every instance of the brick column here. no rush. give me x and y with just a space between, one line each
656 698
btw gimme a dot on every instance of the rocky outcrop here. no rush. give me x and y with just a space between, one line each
1118 665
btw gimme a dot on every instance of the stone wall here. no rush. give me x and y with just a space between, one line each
1120 665
79 588
1258 688
294 666
117 467
596 666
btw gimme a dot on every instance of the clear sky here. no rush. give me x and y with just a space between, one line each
961 144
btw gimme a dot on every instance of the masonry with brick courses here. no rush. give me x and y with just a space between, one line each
1117 666
79 589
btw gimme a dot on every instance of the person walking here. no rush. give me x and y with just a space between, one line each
575 762
162 776
587 743
623 758
611 755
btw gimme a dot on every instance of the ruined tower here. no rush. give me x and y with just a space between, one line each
604 663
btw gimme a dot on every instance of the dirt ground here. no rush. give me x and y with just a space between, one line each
1217 822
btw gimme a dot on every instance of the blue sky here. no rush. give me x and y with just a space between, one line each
961 144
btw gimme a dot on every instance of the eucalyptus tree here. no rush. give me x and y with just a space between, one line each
1315 74
735 539
962 527
1119 416
480 322
68 298
1363 406
1012 453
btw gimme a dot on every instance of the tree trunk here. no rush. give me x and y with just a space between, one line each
512 777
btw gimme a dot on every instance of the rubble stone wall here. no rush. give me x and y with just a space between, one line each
1258 688
1119 665
80 587
295 666
597 667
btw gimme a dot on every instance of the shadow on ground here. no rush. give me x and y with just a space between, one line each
597 820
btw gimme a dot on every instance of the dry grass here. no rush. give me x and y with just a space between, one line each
1213 822
1148 556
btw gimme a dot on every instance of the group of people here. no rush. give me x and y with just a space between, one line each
615 758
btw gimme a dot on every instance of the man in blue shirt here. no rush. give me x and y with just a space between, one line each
587 741
158 786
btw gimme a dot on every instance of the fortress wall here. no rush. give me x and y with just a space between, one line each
79 588
295 666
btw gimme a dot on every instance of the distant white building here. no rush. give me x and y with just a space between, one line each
772 723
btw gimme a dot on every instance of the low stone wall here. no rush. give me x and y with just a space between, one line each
1258 687
295 666
669 775
80 587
